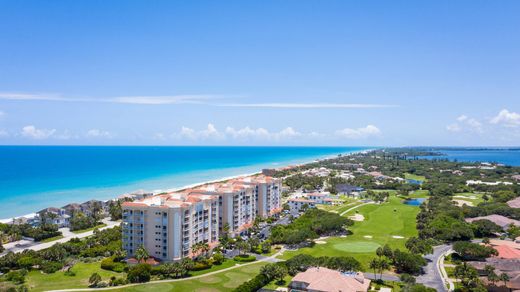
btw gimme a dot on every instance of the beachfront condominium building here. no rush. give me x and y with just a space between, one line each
168 225
268 193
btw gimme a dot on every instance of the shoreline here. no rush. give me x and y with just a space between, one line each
175 189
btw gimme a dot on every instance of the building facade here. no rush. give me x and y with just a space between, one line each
169 225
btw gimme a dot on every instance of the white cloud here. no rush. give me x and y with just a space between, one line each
35 133
359 133
151 100
205 99
307 105
453 128
247 132
3 133
210 133
506 118
463 123
97 133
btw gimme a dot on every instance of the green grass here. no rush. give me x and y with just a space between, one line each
419 194
224 281
381 222
51 239
37 281
450 271
89 229
414 177
273 284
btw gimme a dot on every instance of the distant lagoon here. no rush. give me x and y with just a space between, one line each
507 156
35 177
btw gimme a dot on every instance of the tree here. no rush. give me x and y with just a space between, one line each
418 246
387 251
243 247
383 265
187 264
473 251
139 273
274 271
141 254
218 258
94 279
374 265
379 252
504 278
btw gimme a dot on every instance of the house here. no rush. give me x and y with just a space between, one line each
89 207
318 198
72 208
55 216
516 177
319 279
499 220
296 204
349 190
507 252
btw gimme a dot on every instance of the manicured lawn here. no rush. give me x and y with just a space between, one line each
37 281
380 225
414 177
350 202
52 239
89 229
419 194
273 285
224 281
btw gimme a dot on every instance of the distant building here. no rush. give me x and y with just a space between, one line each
296 204
516 177
349 190
326 280
55 216
514 203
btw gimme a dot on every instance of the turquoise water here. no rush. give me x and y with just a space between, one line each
35 177
414 202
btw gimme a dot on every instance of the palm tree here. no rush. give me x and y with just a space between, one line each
204 247
504 277
141 254
94 279
383 265
374 264
195 248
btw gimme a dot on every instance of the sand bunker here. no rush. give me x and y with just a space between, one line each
466 197
320 242
343 236
357 217
397 236
367 236
463 202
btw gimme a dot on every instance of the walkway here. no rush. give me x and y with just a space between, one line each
433 276
21 245
265 259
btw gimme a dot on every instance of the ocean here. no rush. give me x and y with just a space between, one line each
36 177
507 156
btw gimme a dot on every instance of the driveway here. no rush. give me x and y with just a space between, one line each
433 277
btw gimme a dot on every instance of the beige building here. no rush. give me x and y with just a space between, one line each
168 225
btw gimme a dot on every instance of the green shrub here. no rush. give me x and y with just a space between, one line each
17 277
218 258
110 265
244 258
139 273
51 267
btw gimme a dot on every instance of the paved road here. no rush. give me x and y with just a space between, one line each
385 277
433 277
22 245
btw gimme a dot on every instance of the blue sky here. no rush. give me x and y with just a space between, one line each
260 72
